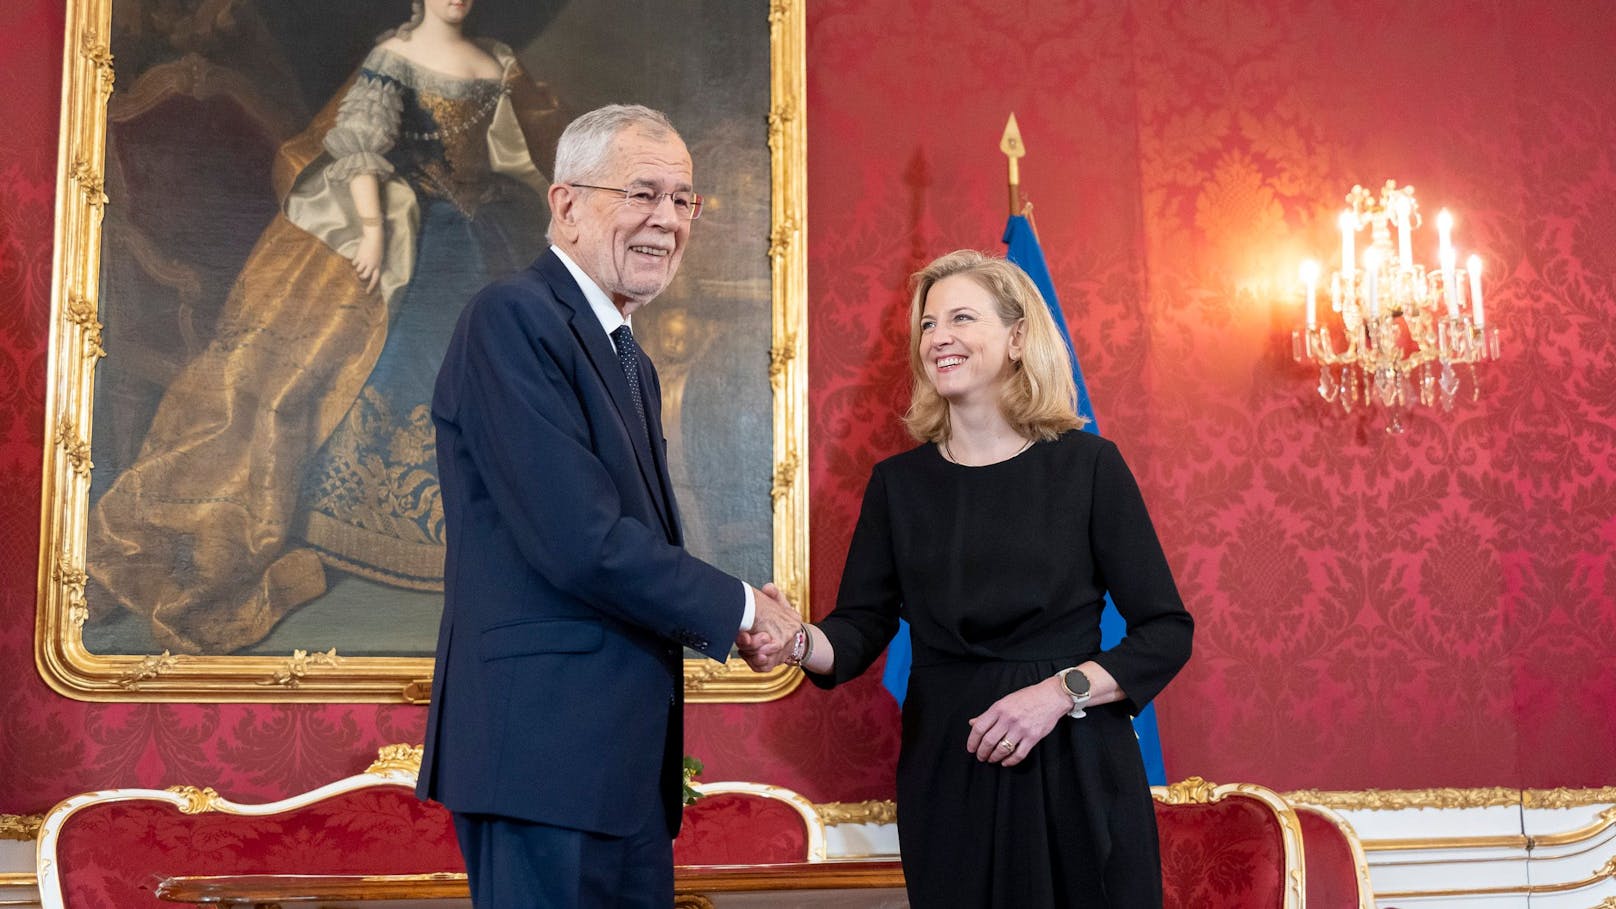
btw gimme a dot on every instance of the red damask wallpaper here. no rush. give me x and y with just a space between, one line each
1435 608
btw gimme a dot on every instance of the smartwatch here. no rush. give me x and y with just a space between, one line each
1076 686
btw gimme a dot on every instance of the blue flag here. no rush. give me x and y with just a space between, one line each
1025 252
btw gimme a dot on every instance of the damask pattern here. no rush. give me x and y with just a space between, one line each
1437 608
1227 853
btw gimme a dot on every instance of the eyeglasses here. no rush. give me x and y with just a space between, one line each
686 204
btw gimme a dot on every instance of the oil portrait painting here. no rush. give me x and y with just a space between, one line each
264 484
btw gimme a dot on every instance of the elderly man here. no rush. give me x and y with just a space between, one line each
555 729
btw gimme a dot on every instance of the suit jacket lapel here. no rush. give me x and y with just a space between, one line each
586 327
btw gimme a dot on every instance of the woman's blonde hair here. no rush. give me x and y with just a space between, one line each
1040 399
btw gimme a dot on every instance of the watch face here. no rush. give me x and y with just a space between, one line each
1076 683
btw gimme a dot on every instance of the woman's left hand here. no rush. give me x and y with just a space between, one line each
1020 719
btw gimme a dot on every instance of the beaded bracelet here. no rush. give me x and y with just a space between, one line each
799 647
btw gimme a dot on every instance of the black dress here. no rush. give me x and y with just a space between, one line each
1001 572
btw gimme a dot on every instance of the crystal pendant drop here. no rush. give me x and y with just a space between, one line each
1327 386
1386 385
1449 385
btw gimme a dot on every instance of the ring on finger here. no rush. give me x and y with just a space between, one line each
1007 745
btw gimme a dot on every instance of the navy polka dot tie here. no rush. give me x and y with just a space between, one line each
628 353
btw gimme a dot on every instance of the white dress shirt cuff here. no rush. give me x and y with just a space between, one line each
750 612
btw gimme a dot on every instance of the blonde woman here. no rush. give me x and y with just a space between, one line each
1020 781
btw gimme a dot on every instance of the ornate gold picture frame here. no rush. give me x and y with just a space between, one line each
74 652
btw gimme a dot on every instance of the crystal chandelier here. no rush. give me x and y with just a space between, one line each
1404 331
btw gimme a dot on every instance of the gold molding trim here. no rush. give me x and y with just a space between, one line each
1601 874
1567 798
1417 844
1401 799
76 348
788 354
1607 819
871 812
20 826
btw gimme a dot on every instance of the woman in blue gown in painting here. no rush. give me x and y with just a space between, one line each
300 438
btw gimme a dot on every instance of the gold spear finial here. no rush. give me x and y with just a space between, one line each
1010 144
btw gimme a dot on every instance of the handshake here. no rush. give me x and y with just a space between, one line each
773 637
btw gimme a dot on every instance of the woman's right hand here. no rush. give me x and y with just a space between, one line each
367 260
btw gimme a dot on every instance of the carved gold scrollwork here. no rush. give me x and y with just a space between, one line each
780 356
1567 798
81 312
871 812
75 447
780 119
785 476
1399 799
782 237
290 675
696 680
1191 790
397 757
20 826
99 54
88 178
73 579
196 800
149 667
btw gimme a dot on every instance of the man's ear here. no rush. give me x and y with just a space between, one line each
564 203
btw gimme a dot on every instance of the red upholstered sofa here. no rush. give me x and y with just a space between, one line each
110 849
1235 846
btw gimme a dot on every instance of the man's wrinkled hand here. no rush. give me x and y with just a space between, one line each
774 630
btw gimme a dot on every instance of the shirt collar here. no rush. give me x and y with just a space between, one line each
609 316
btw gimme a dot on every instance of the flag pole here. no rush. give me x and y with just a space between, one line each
1010 144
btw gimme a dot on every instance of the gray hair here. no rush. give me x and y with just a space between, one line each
581 154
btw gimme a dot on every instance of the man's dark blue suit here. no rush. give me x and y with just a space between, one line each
558 692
